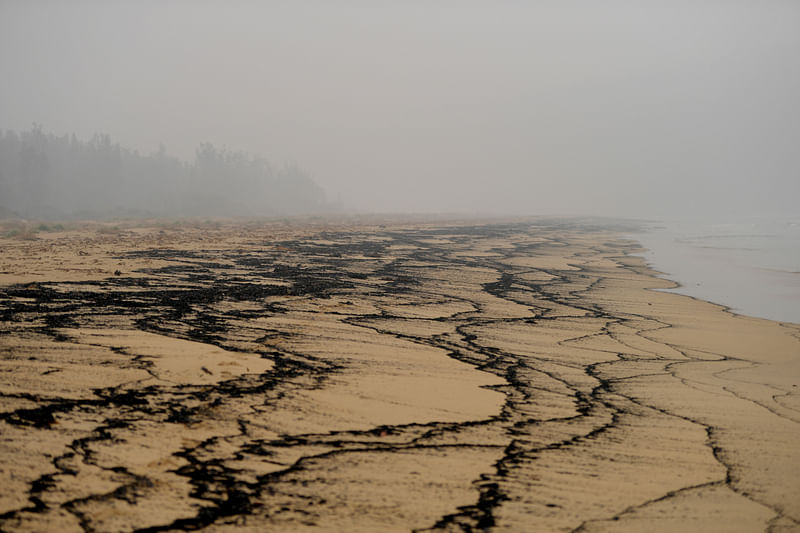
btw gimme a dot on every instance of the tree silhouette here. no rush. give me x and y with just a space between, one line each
43 175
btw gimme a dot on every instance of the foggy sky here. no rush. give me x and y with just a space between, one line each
638 108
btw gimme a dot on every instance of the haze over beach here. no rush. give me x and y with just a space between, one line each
622 108
399 266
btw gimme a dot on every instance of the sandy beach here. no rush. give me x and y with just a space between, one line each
382 375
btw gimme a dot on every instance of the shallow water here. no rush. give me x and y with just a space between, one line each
751 265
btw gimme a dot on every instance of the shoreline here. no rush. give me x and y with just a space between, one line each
678 286
753 272
392 376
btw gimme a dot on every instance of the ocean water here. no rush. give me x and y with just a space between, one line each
751 265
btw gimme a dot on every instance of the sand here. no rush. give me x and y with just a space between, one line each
382 375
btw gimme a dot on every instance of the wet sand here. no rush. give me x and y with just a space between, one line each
382 375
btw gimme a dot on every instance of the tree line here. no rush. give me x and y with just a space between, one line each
43 175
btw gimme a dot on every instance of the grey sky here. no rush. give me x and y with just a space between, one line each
633 108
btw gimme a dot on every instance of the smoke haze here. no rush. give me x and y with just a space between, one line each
608 108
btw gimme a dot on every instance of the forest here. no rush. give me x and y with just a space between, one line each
43 175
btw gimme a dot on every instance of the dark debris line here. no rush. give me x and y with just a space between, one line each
180 300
